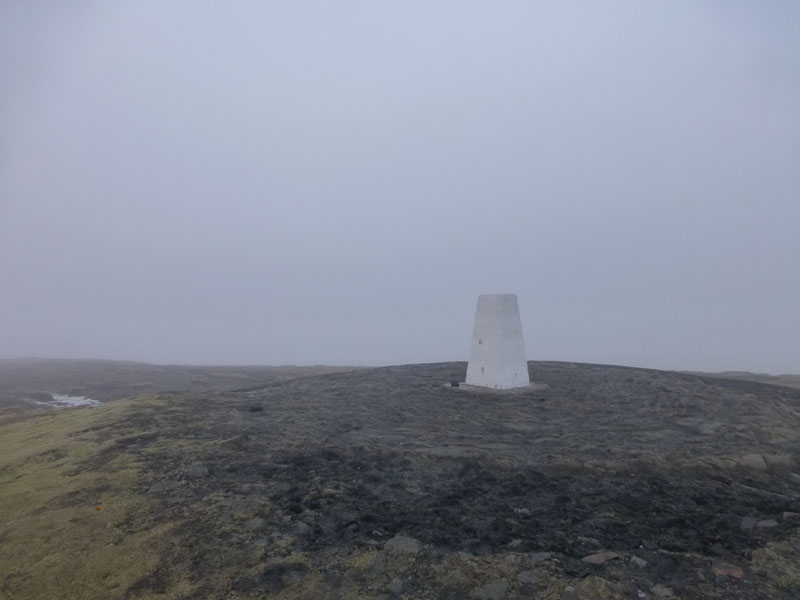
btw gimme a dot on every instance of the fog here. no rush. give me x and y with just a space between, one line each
313 182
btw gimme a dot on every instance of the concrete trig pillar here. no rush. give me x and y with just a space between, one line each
497 356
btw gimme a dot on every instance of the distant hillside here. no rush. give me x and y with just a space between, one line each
784 380
106 380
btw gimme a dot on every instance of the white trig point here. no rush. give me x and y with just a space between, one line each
497 356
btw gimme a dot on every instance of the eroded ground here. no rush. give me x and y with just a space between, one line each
384 483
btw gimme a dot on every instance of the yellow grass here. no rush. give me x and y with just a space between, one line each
55 542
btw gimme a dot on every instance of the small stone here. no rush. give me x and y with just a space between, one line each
753 461
725 569
454 383
599 558
638 562
302 528
395 586
722 463
496 590
661 591
540 556
778 462
767 523
747 523
791 517
570 593
402 544
455 579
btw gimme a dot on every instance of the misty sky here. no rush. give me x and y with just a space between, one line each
336 182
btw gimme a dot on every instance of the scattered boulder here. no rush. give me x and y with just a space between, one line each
540 556
402 544
778 462
638 562
747 523
791 517
753 461
661 591
725 569
767 523
496 590
600 558
302 529
455 579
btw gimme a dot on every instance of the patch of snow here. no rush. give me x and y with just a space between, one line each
64 401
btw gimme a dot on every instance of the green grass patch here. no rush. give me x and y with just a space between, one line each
68 529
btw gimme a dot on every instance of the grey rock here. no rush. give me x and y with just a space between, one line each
747 523
638 562
778 462
402 544
661 591
753 461
599 558
540 556
496 590
767 523
791 517
723 569
302 529
570 593
455 579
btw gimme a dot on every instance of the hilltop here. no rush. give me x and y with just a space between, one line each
603 482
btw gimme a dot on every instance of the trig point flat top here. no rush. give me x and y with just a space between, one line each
497 355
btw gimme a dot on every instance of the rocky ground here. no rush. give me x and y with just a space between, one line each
603 482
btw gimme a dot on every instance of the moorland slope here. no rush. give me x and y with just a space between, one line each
603 482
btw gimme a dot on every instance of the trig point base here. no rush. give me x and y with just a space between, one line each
497 355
